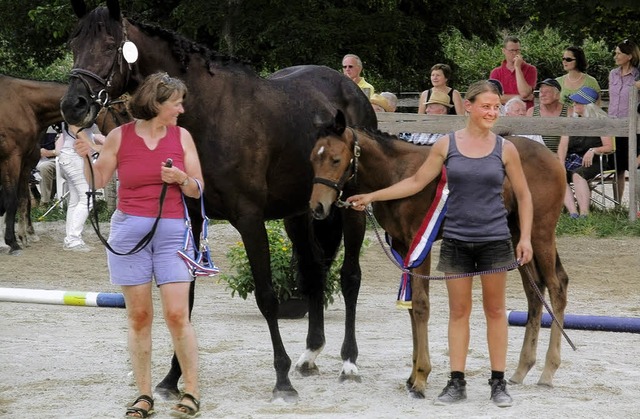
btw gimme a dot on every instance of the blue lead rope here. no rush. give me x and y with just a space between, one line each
201 264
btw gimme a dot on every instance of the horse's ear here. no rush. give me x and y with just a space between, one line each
114 9
339 123
79 8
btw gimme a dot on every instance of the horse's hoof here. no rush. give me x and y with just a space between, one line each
349 377
289 396
166 393
547 384
15 252
307 370
416 394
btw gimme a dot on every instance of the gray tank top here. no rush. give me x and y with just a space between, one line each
475 207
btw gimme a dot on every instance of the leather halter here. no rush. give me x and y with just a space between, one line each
102 97
350 173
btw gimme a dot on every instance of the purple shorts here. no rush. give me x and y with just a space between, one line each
159 259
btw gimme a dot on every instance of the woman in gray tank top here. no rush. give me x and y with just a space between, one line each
476 236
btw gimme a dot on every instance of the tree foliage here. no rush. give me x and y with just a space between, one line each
398 40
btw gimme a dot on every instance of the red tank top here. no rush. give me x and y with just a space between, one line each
139 174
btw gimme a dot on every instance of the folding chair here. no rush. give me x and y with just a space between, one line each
600 195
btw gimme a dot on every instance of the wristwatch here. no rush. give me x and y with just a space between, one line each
185 182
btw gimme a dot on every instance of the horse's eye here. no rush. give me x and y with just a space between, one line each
335 161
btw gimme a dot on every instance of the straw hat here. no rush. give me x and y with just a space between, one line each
439 98
381 101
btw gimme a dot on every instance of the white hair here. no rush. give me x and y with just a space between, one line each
511 102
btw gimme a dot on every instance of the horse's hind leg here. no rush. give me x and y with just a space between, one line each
558 296
527 359
10 195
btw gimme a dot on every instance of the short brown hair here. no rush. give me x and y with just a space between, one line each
446 70
155 90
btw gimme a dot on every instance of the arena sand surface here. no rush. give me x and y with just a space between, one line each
62 361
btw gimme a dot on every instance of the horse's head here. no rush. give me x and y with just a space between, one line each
102 58
334 161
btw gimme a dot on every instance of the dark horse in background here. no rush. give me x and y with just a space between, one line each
27 108
253 137
384 160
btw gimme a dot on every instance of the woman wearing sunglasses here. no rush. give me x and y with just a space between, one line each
574 63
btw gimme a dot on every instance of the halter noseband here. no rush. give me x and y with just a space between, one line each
350 173
102 97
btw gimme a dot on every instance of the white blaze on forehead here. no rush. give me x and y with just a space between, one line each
320 151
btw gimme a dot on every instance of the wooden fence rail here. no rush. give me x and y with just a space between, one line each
395 123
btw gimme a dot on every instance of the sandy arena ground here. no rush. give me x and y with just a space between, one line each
72 362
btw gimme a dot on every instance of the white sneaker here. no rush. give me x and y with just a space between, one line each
78 248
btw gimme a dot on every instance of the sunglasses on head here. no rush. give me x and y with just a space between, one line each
568 59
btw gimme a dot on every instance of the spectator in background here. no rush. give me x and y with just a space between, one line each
516 107
574 63
352 67
580 154
392 99
622 81
380 103
517 77
438 104
440 75
550 106
46 167
72 169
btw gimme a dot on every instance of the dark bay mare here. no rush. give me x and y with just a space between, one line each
384 160
27 108
253 137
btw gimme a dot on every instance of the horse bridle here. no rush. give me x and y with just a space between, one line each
102 97
350 173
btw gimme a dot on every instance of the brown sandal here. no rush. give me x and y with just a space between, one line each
138 412
185 411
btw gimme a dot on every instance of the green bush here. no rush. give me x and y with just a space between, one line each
283 270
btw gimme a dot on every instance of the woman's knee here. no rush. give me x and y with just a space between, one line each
140 319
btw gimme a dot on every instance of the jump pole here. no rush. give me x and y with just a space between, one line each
68 298
581 322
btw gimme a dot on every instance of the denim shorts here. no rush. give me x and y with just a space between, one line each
457 256
159 259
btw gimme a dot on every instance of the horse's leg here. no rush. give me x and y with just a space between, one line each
3 246
256 242
527 358
558 296
24 208
420 311
312 273
354 226
10 191
168 387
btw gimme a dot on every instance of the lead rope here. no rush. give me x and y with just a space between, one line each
509 267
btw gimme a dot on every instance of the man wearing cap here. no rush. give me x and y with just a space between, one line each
438 104
352 67
550 105
517 77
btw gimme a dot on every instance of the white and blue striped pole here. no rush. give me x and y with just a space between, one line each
69 298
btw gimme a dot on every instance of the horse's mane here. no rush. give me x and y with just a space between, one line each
182 48
100 20
383 138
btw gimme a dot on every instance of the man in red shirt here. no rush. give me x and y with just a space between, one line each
517 77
